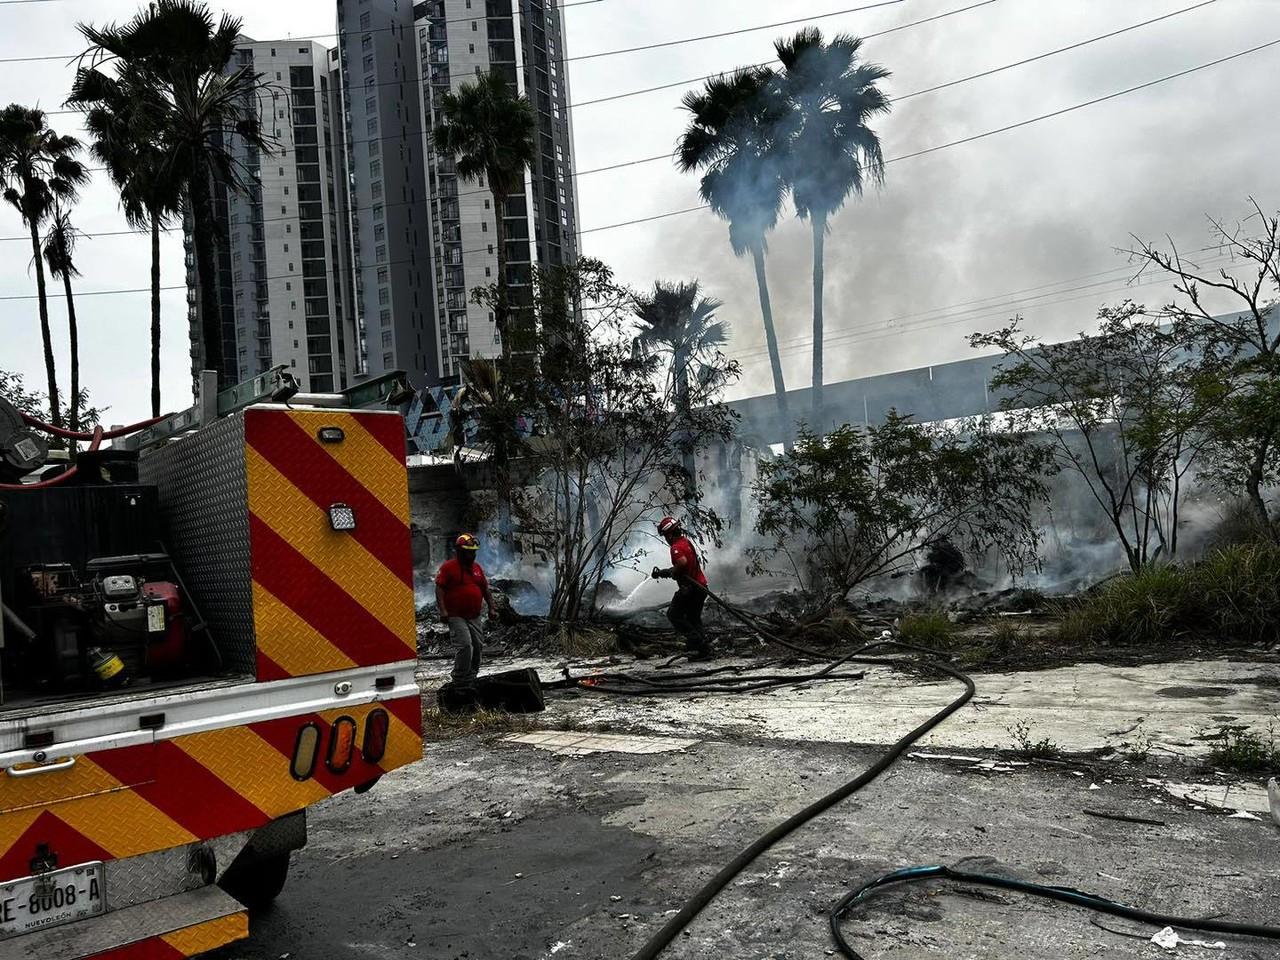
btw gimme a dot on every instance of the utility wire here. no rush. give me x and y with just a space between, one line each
733 33
997 301
632 93
664 156
928 150
582 56
867 332
302 37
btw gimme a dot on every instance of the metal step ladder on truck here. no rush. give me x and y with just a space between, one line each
207 627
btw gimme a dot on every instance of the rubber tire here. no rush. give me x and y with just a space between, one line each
257 884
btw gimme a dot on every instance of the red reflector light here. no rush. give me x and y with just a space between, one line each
305 750
342 743
375 736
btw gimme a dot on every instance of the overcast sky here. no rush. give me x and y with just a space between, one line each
912 268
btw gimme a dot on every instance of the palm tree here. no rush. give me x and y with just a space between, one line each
59 253
831 151
490 131
675 319
121 114
178 54
38 168
732 137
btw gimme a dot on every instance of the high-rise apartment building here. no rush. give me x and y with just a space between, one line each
283 295
422 238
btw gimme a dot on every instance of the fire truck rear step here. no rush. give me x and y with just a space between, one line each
120 928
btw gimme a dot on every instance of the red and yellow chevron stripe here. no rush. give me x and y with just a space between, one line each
324 600
136 800
187 942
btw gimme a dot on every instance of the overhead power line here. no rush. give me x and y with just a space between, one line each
284 40
664 156
679 41
667 86
953 143
999 305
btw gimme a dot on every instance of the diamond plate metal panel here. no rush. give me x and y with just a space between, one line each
204 502
153 876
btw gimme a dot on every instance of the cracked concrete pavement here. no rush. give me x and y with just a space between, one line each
516 851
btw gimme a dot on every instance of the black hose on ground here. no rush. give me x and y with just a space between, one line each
1062 894
663 938
673 927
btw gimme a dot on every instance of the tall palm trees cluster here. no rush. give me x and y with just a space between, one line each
761 133
161 108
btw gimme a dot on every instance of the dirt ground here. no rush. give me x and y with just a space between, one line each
491 848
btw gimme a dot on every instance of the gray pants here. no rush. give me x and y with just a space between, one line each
468 643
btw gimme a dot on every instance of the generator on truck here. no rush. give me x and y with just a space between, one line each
205 628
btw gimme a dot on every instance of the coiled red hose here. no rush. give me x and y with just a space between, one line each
95 440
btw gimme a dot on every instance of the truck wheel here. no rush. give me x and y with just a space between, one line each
257 883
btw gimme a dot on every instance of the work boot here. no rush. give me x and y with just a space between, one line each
700 654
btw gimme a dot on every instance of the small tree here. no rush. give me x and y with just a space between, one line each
1238 352
1121 409
610 433
855 504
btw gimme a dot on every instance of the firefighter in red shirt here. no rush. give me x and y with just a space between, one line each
685 612
461 592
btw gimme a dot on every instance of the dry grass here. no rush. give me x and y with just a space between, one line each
486 724
581 640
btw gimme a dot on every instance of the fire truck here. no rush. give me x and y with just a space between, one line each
207 626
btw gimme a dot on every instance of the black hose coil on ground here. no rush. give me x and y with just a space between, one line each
700 682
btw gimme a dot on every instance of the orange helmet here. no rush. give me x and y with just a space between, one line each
467 541
667 524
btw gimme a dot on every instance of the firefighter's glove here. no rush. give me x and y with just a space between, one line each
658 573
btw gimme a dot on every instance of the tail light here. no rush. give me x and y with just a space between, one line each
342 743
305 749
375 736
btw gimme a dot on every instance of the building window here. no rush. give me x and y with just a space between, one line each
366 42
384 296
376 190
375 147
375 168
382 274
364 20
386 338
385 316
471 48
371 104
379 233
372 125
380 253
368 66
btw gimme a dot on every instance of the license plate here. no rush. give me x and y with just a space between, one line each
51 899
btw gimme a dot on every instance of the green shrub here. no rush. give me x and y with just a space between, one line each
1244 751
1230 597
927 629
1029 749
